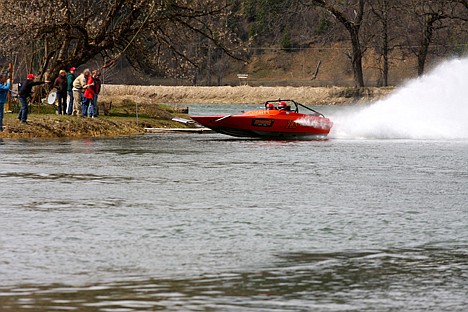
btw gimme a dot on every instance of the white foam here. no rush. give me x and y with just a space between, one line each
434 106
313 121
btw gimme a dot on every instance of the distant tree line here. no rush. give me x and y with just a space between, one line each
189 39
420 27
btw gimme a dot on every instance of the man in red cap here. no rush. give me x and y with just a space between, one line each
70 78
24 93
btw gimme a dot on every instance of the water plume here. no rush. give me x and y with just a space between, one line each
434 106
313 121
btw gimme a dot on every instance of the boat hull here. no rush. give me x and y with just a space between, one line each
268 124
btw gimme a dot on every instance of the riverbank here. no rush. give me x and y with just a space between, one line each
122 119
54 126
157 105
176 95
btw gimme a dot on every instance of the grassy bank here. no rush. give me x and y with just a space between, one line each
47 126
122 120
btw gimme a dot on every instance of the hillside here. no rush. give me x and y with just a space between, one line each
277 67
297 68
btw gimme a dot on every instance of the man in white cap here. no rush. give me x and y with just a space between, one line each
79 85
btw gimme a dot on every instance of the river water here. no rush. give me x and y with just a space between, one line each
372 219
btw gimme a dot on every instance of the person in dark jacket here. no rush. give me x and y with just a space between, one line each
70 78
97 88
24 93
61 84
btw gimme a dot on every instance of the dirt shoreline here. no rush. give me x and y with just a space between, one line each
242 94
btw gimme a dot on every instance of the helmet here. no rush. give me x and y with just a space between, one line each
270 106
282 105
30 76
72 69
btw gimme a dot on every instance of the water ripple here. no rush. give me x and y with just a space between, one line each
65 177
372 280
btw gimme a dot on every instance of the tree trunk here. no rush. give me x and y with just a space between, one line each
426 40
385 45
352 26
386 51
357 57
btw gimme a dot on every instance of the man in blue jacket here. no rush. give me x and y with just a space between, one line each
4 89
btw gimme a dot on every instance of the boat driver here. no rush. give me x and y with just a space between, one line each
283 106
270 106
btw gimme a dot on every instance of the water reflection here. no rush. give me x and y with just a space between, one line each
416 279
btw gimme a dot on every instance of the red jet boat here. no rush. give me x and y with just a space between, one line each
279 120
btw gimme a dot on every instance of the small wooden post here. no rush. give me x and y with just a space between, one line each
316 71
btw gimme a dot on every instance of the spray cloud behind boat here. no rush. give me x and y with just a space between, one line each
434 106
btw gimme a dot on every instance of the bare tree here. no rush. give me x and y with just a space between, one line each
350 14
386 19
51 35
431 17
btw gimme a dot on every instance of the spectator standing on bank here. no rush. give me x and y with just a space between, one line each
88 101
97 89
61 84
70 78
4 89
24 93
79 85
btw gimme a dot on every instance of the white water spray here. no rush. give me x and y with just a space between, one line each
314 121
434 106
